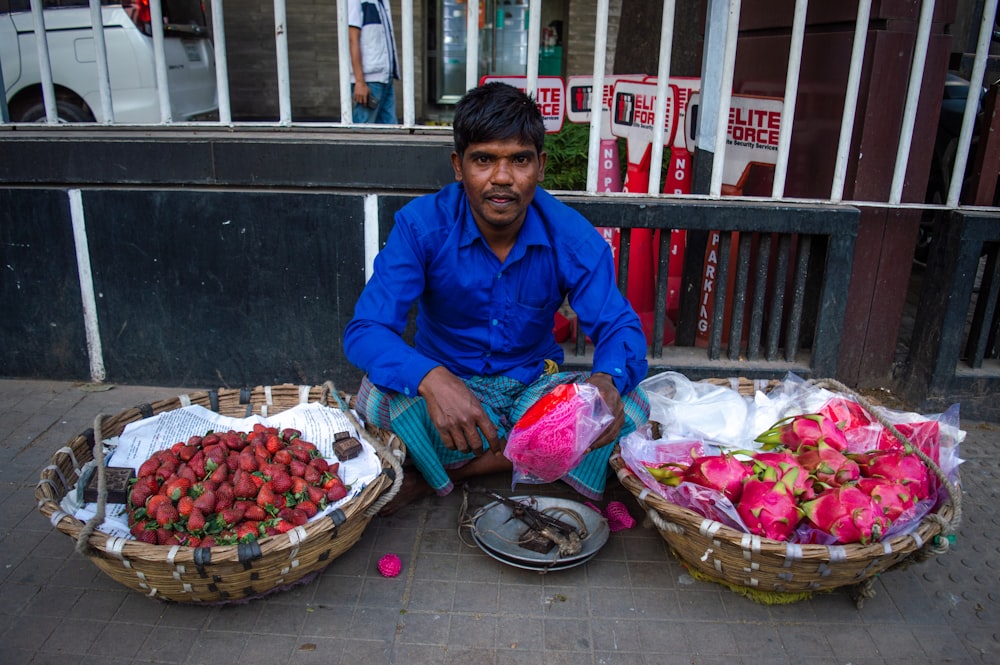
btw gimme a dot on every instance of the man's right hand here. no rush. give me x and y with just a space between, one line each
361 92
457 414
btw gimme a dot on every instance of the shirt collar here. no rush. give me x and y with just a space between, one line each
532 232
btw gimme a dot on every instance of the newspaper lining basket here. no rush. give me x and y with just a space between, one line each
221 574
771 571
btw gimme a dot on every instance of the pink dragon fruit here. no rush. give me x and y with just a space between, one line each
794 432
846 413
768 508
827 465
848 514
896 465
892 497
723 473
787 469
720 472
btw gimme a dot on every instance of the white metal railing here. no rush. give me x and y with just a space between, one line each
715 96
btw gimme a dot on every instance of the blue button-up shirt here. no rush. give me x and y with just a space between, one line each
480 317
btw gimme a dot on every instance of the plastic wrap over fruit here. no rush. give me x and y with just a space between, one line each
554 434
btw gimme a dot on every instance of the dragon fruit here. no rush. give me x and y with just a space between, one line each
787 469
896 465
827 465
794 432
847 514
768 508
723 473
892 497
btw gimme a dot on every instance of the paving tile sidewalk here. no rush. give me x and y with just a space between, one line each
633 603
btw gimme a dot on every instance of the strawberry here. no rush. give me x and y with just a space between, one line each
216 453
195 440
155 502
248 462
206 502
312 475
147 536
307 507
209 439
297 468
185 506
143 488
185 471
196 520
187 452
247 530
300 453
220 475
290 433
316 494
265 496
233 440
273 444
224 497
166 514
164 536
283 456
232 515
208 541
197 464
244 487
320 464
177 487
149 467
255 513
336 492
176 448
233 460
283 526
281 482
258 480
299 485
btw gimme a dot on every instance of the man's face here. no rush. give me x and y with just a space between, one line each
499 179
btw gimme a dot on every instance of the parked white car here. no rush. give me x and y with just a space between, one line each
72 53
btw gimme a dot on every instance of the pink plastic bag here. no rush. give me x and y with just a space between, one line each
554 434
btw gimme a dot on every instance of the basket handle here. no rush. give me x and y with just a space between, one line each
330 389
947 528
83 545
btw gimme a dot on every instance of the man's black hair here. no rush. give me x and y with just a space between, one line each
496 112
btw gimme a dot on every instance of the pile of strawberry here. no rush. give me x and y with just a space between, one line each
231 487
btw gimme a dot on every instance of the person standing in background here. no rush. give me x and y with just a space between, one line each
374 65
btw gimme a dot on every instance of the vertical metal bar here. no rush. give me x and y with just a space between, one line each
534 44
409 97
759 297
851 100
344 60
624 252
662 81
4 111
719 302
597 95
777 298
912 97
160 61
791 92
471 45
739 295
44 64
281 56
88 299
101 51
986 307
725 98
660 293
972 103
794 326
221 63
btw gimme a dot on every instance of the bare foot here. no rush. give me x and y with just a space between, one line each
413 488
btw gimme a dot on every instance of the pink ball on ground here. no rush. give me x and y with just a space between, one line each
619 517
390 565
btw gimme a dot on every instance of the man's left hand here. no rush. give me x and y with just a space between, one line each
609 391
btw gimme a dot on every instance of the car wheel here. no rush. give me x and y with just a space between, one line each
68 110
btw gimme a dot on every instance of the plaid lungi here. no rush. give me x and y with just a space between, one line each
505 401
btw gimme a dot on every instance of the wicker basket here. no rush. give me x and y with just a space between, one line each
772 571
221 574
